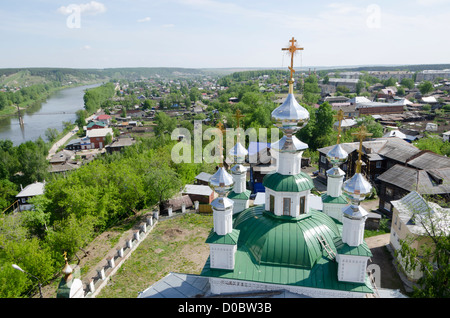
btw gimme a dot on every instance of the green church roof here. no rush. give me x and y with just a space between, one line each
229 239
342 199
288 183
285 250
239 196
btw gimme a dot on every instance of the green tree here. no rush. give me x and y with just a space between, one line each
408 83
311 90
162 182
164 123
51 134
426 87
8 191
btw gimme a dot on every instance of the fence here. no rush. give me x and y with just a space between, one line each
95 285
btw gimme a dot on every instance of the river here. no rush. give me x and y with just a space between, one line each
58 108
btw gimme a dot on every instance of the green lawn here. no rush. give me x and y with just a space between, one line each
174 245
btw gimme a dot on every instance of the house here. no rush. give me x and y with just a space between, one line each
379 154
371 108
203 178
119 144
74 144
348 109
104 118
96 125
446 136
62 157
201 193
30 191
407 225
97 137
427 173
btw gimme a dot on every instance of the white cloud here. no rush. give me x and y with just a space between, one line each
146 19
168 25
91 8
86 47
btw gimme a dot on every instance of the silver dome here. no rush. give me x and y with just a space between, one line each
337 155
290 114
221 181
222 204
357 187
238 169
289 144
239 152
355 212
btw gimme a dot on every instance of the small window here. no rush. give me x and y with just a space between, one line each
302 205
272 203
389 191
286 206
378 164
323 159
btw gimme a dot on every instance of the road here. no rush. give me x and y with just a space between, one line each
69 135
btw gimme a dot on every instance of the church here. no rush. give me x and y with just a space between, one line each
284 247
285 244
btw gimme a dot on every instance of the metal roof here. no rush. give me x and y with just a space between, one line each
281 250
288 183
239 196
31 190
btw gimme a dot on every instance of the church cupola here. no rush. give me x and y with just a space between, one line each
334 200
240 195
287 191
223 238
357 188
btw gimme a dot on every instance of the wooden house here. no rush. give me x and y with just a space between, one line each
29 192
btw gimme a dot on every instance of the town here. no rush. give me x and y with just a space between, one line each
405 158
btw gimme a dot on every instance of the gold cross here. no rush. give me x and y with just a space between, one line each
339 116
292 49
238 117
65 256
222 130
361 134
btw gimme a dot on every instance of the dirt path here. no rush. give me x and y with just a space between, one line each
378 245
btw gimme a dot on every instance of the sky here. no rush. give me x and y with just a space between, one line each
222 33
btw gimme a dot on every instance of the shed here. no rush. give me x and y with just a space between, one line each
200 193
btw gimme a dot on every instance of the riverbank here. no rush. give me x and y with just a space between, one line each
13 111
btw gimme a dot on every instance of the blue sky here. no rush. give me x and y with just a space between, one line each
221 33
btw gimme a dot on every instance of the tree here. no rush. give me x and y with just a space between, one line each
311 90
4 102
164 123
8 190
425 87
51 134
359 86
408 83
162 182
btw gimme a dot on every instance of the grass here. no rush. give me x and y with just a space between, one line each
174 245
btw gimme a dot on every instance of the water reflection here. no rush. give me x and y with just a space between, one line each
59 108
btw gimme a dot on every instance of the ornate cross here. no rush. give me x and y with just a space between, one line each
340 117
238 117
292 49
222 130
361 134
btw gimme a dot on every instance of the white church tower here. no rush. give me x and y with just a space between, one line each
334 200
223 239
352 266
